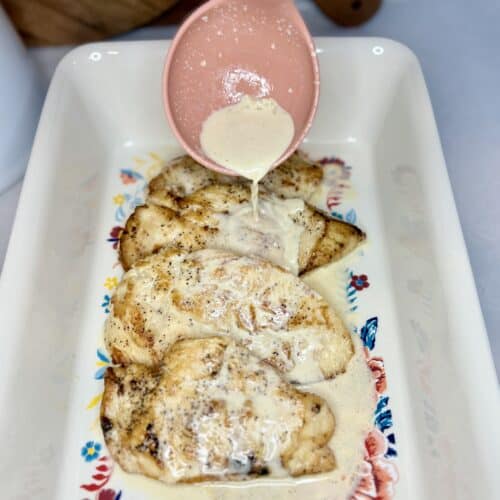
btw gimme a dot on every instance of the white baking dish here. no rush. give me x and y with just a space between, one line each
102 119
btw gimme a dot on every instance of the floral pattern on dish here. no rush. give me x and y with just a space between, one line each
103 362
108 494
377 474
90 451
114 236
359 282
129 176
376 365
101 475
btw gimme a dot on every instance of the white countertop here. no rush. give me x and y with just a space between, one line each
457 44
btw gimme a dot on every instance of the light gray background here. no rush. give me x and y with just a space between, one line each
458 45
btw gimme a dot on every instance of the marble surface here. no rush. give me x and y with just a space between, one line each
457 45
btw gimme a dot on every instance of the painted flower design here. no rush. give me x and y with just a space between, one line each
359 282
376 365
109 494
119 199
377 475
383 414
337 177
128 176
331 159
111 282
102 363
103 471
368 332
114 236
91 451
105 303
127 202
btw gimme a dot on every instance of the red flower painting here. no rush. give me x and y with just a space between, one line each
360 282
114 236
377 474
109 494
376 365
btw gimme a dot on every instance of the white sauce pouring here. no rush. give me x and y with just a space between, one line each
248 138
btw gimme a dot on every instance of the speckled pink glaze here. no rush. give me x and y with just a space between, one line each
228 48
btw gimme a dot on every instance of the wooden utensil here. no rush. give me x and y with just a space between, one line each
60 22
349 12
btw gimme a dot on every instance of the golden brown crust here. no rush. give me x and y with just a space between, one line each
339 239
182 177
151 228
297 177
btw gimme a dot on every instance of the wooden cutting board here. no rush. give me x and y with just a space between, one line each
60 22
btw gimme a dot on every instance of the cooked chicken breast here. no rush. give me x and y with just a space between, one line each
297 177
213 411
290 233
175 294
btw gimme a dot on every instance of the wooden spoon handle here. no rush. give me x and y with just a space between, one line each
349 12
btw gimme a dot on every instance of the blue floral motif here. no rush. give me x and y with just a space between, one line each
105 303
383 421
351 292
391 451
102 356
129 203
368 332
129 176
383 415
99 374
91 451
103 364
351 216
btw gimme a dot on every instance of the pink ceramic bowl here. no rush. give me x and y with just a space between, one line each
228 48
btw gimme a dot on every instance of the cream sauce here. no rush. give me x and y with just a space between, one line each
305 351
275 236
251 417
248 138
351 397
211 292
276 417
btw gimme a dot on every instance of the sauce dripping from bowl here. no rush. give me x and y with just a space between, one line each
248 137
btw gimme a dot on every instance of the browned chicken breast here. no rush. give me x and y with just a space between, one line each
213 411
290 233
175 294
297 177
